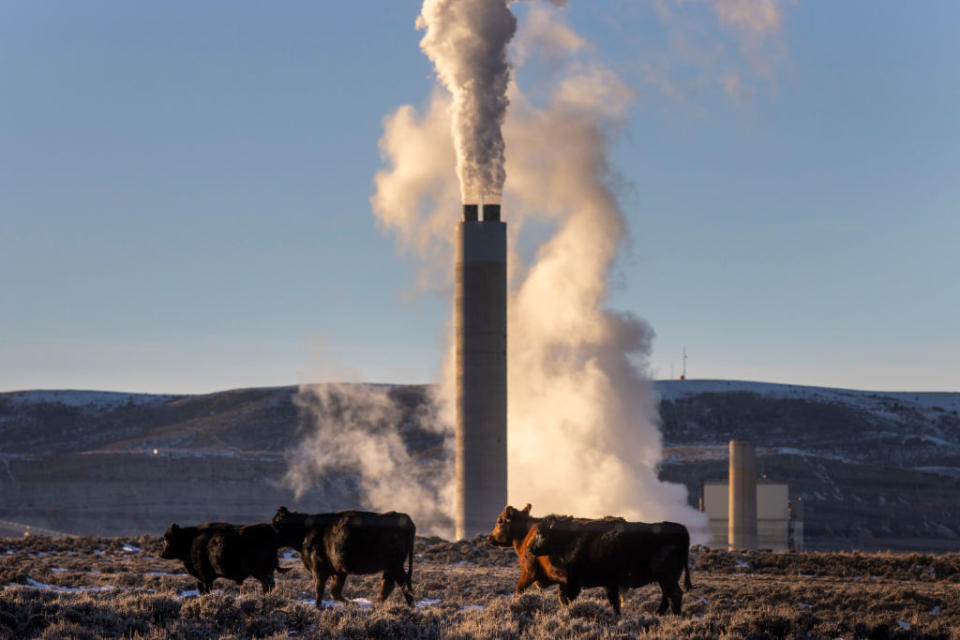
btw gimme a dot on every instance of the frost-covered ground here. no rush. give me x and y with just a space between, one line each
119 588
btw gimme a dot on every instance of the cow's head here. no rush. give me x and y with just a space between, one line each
281 514
172 542
512 524
290 527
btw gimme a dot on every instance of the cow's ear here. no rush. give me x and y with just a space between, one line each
510 511
282 510
526 509
174 527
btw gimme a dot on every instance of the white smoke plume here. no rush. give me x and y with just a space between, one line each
583 427
354 450
467 42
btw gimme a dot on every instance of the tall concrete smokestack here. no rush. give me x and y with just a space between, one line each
481 335
742 532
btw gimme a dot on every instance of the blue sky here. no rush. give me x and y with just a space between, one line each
184 194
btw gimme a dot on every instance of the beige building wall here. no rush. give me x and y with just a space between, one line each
773 516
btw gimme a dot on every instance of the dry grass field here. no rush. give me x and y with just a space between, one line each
118 588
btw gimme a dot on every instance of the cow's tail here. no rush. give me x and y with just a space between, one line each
686 565
410 544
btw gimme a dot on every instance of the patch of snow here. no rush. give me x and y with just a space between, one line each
362 603
791 451
903 625
189 593
473 607
162 574
169 452
742 565
129 548
805 605
77 398
934 402
935 611
464 563
58 570
428 602
940 442
949 472
52 587
289 555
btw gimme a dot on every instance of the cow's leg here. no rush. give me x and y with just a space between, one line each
268 582
664 603
666 591
206 582
562 594
676 599
613 595
386 584
526 579
336 589
402 579
319 584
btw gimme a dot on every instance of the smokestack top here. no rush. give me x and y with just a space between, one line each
471 213
491 213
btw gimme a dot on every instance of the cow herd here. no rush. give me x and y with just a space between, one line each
573 553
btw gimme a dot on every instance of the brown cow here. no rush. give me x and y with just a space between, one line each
518 528
617 555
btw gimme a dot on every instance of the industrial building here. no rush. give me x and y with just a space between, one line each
763 515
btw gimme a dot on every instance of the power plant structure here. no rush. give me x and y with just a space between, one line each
480 323
743 495
747 510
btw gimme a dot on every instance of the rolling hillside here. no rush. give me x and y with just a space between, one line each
876 470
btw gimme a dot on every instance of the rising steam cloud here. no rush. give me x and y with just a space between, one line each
584 432
583 427
356 443
467 42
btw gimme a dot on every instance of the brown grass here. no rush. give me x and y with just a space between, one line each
109 591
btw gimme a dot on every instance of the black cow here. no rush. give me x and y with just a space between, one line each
360 542
223 550
616 555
